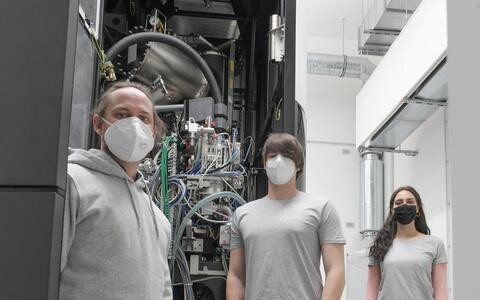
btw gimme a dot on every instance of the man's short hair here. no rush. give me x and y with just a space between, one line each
103 102
286 145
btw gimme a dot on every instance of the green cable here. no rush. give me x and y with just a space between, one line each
164 176
278 110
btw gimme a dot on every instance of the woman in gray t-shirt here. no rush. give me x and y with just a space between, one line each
406 262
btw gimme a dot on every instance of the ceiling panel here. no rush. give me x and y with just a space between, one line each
325 17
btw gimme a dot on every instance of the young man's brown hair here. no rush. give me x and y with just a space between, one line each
286 145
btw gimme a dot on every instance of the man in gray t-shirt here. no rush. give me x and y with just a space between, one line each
277 241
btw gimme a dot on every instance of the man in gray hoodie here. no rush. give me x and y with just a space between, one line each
115 241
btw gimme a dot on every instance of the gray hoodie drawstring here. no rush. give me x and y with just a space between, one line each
133 203
150 200
153 216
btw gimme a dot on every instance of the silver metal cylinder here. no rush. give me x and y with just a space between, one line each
173 75
339 65
169 108
275 39
371 193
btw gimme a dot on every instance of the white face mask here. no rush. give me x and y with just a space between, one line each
129 139
280 169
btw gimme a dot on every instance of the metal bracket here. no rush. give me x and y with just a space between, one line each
376 49
159 83
383 149
382 32
400 11
195 268
86 23
107 69
276 39
440 103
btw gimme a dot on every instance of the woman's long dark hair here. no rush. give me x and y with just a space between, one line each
385 236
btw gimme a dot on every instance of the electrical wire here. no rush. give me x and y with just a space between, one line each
155 158
183 190
200 180
224 263
198 206
247 153
224 133
207 219
182 264
216 212
231 187
227 163
244 172
200 280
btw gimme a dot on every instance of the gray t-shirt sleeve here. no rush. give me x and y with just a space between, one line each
330 229
373 262
236 240
441 255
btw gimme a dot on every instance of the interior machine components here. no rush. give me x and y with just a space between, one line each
204 67
172 76
199 109
189 178
147 37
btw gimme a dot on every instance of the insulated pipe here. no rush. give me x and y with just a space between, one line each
371 193
339 65
169 108
200 204
145 37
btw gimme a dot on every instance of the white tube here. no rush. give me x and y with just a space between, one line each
198 206
339 65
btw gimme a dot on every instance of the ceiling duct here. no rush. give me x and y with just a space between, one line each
416 109
382 23
387 110
340 66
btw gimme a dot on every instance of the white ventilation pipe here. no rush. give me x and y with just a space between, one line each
340 66
371 193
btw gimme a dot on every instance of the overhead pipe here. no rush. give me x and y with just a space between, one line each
371 193
340 66
169 108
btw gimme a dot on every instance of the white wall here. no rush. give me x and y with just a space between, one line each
426 172
463 145
332 159
301 54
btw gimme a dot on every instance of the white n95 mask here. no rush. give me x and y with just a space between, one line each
129 139
280 169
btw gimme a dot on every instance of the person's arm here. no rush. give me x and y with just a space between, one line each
373 282
334 271
439 281
236 275
167 291
70 215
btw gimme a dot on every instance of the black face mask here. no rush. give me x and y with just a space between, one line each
405 213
